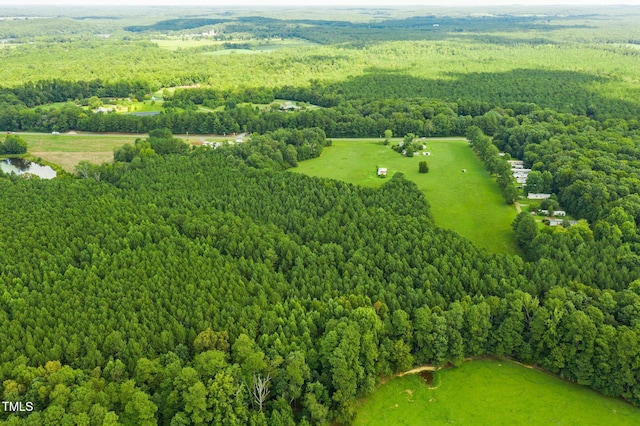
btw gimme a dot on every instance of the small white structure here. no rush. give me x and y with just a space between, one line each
55 133
559 222
533 196
515 163
289 106
382 171
521 179
464 170
560 213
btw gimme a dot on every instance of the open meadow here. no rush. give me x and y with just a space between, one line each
468 202
67 150
491 392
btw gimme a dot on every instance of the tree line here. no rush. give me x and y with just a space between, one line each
494 163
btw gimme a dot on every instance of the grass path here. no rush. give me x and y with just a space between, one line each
469 203
491 392
418 370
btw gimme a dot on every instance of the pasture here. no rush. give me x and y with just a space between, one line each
469 203
491 392
67 150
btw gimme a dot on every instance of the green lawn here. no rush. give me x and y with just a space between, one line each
145 106
490 392
469 203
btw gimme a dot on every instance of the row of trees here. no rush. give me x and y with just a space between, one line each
495 163
421 117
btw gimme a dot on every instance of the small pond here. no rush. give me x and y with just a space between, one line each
20 167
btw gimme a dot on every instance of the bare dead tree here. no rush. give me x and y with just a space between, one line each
260 389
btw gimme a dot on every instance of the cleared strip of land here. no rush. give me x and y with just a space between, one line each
491 392
68 149
469 202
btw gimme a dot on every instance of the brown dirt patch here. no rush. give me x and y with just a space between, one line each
69 160
427 377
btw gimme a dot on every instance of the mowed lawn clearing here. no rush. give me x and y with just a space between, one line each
491 392
67 150
469 203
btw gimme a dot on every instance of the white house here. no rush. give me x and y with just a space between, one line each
533 196
382 171
520 174
560 213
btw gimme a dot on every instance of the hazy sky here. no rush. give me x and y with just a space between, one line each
333 3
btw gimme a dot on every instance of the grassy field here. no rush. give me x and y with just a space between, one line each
68 150
145 106
187 43
469 203
256 45
490 392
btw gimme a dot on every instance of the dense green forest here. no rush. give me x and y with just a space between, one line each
184 285
169 288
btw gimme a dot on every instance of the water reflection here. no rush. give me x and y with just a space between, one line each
20 167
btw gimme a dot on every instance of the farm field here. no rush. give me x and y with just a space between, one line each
491 392
469 203
80 142
257 45
68 150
